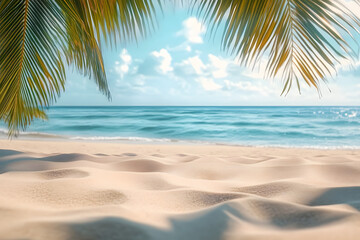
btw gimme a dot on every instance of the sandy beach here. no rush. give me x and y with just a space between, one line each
85 190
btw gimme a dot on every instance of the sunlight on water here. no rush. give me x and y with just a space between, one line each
325 127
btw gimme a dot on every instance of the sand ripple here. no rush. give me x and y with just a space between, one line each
133 192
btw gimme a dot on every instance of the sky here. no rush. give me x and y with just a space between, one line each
180 64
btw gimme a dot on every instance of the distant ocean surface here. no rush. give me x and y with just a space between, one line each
314 127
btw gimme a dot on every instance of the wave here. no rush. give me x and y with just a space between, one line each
76 117
343 122
135 139
318 127
87 127
47 136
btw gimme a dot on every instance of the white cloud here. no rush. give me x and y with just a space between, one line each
181 47
215 67
193 30
165 64
346 65
125 56
208 84
123 68
247 86
218 66
196 63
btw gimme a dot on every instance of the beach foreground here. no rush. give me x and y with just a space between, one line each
81 190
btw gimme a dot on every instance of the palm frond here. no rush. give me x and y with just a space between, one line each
36 36
31 69
123 20
87 21
82 48
303 39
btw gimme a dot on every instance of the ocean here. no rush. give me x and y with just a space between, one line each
309 127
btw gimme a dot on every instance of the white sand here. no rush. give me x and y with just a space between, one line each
108 191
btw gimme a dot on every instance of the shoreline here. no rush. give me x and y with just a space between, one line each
170 142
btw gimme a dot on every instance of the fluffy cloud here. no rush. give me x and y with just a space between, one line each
247 86
193 30
181 47
215 68
218 66
196 63
208 84
210 74
165 63
123 67
346 65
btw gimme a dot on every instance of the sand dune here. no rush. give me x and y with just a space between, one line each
86 191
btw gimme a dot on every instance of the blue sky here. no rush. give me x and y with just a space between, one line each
180 64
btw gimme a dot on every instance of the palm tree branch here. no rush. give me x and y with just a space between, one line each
36 36
302 39
31 70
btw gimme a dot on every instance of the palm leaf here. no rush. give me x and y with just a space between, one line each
303 39
36 36
31 70
88 20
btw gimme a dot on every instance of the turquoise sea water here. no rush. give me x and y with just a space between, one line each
318 127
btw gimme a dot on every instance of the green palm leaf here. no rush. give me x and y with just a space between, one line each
37 36
303 39
31 70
